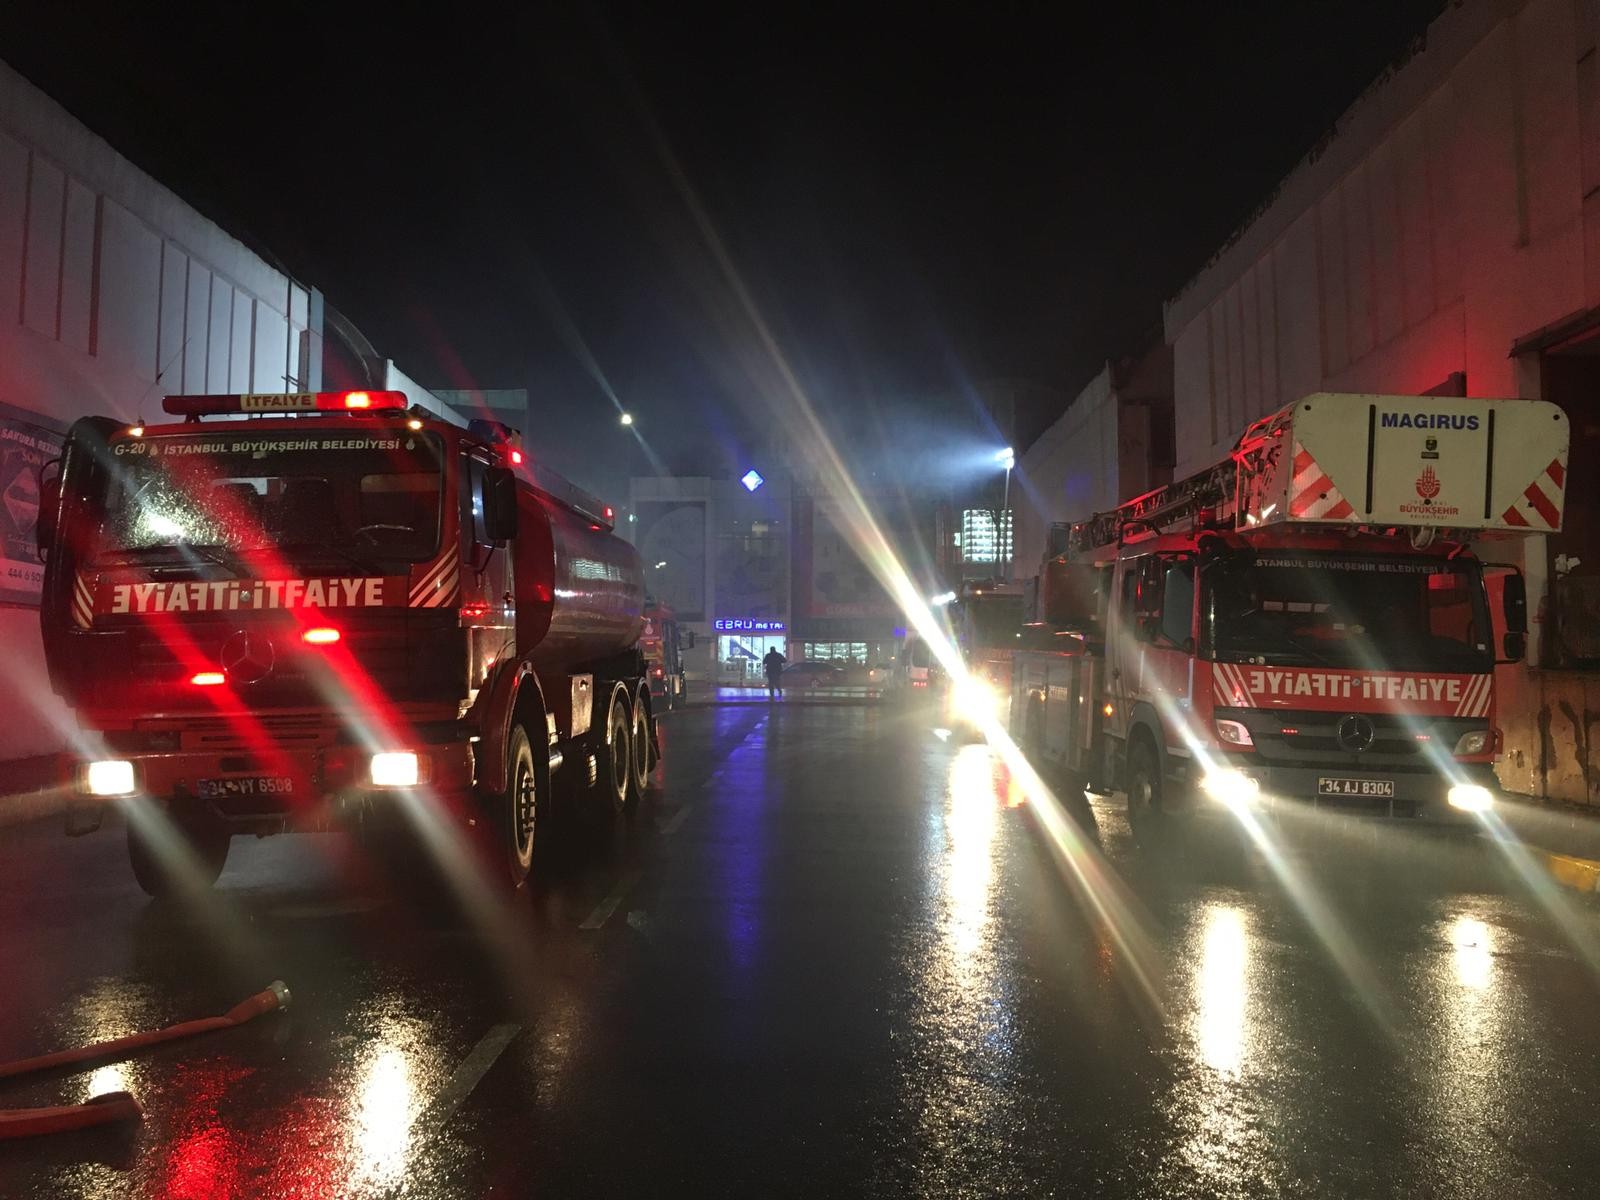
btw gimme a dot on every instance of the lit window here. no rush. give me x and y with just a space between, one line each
981 540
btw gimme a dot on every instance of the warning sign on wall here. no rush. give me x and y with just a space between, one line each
26 444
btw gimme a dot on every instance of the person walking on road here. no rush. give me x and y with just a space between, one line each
773 663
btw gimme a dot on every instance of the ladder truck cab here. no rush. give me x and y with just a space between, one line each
1302 620
324 610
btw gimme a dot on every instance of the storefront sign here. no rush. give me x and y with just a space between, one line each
745 625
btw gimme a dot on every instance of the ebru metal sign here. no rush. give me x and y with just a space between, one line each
747 625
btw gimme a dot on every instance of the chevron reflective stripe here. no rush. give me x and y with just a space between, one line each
438 584
1228 686
82 602
1312 496
1475 697
1542 500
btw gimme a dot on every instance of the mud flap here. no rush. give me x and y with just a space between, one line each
82 819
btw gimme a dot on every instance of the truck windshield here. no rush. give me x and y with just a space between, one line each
1366 613
356 495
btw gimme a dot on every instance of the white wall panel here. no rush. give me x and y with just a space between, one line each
42 260
130 293
197 328
77 269
174 298
13 202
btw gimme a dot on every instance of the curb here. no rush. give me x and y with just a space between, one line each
1579 874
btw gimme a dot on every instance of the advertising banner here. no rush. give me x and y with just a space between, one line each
27 442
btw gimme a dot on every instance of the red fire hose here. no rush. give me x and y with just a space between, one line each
118 1106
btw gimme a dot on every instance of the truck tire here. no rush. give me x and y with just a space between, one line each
515 818
1146 815
639 755
200 853
615 759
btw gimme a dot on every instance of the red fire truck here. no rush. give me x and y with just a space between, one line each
986 617
1303 619
661 643
321 609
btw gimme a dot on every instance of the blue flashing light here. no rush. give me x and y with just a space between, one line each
751 480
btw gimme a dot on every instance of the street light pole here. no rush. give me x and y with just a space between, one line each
1002 532
1005 520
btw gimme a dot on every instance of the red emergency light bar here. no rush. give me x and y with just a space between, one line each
195 407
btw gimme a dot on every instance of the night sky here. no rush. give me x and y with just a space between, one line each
918 197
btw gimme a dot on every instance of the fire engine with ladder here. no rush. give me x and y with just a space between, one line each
1305 619
335 610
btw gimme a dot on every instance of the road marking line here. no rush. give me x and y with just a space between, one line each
602 911
467 1075
677 819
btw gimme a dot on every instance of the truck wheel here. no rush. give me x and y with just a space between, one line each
1146 816
516 810
197 857
616 760
639 749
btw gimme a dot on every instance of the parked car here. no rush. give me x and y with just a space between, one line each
812 673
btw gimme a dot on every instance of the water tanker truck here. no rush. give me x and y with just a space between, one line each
333 610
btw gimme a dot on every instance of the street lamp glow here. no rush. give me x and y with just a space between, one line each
627 418
751 479
661 564
942 599
1006 458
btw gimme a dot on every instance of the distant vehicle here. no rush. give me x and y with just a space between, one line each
812 674
916 673
662 643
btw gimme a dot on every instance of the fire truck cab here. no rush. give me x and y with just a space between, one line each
662 644
1303 620
325 610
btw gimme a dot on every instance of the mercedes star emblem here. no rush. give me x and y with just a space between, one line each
247 657
1355 732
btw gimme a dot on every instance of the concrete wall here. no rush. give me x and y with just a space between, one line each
1110 445
1070 472
1452 212
1443 220
113 292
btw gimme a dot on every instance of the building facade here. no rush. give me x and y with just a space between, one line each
1444 238
774 566
113 294
1113 442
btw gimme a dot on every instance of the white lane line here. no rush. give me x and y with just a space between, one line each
675 822
602 911
467 1075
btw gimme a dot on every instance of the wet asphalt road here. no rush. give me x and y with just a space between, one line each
837 956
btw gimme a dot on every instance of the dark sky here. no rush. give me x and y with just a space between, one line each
918 196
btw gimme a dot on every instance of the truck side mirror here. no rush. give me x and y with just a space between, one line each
688 639
1514 600
499 504
44 529
1515 646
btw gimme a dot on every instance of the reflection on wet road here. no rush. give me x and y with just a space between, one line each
839 955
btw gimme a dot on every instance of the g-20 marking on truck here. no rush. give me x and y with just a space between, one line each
1302 619
317 609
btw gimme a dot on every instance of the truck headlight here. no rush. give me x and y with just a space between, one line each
1470 797
109 777
396 769
1231 787
1475 741
973 701
1233 733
